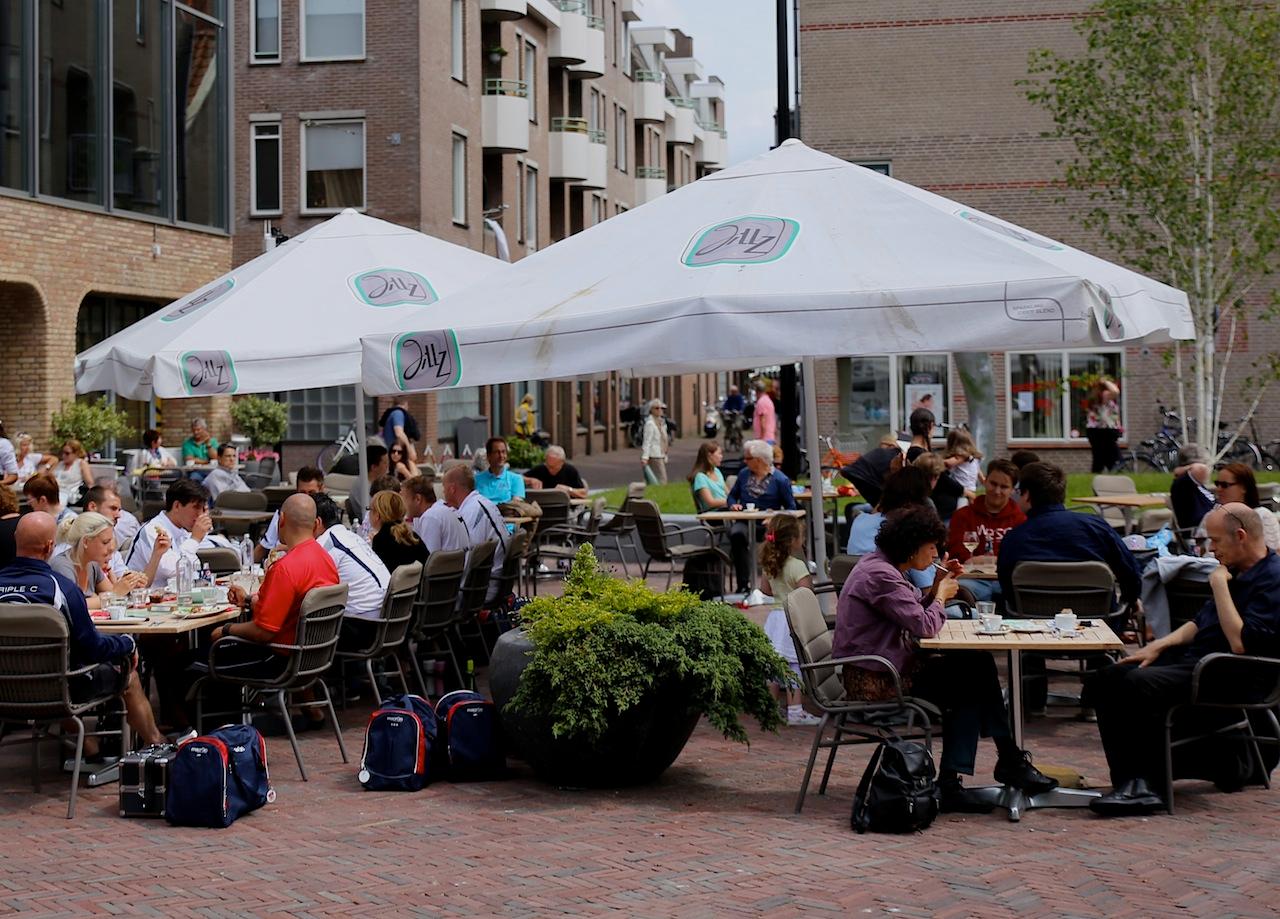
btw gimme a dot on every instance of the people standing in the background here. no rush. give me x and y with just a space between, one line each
1103 424
653 449
764 419
399 427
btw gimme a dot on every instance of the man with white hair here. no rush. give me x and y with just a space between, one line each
554 472
1133 697
201 446
765 489
478 514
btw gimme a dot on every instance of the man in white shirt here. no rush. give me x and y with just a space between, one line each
188 523
126 524
224 476
310 482
359 568
105 501
436 524
479 515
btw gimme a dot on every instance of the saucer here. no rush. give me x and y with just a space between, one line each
1000 631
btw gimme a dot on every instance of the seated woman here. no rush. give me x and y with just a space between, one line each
762 486
91 541
394 540
706 479
399 463
1236 482
907 487
72 472
880 612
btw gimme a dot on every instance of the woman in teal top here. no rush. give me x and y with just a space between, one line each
706 479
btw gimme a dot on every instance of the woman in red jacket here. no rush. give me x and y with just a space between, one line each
987 518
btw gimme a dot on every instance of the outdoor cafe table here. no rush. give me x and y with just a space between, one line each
1128 504
164 623
965 635
751 518
276 495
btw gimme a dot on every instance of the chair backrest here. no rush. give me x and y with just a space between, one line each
319 621
841 567
1113 485
256 481
595 513
267 466
397 605
517 549
35 653
813 640
220 561
1043 589
241 501
438 594
475 583
648 521
1186 597
554 504
339 485
635 490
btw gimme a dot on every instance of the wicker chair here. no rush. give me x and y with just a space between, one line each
435 611
387 633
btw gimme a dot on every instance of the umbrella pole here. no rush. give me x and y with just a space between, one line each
362 454
816 515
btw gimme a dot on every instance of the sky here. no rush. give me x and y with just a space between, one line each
734 40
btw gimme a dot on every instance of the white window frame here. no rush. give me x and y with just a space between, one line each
458 40
620 141
896 383
458 183
529 74
312 120
1065 412
529 209
599 208
254 123
305 58
254 57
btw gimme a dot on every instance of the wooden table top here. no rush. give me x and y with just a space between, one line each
164 623
1124 500
746 515
963 634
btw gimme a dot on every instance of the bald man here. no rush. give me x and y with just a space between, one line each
1133 697
275 606
30 580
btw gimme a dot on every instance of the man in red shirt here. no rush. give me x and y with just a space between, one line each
275 606
988 517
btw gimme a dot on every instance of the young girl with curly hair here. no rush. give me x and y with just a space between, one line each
782 570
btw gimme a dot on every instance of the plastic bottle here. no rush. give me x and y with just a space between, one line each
246 554
185 578
471 674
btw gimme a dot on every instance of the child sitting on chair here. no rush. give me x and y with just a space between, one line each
782 570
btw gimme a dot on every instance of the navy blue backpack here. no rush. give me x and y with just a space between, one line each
397 745
218 777
470 746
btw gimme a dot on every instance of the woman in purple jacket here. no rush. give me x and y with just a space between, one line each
880 612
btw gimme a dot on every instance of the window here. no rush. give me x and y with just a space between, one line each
332 30
453 405
595 112
14 127
598 209
620 208
530 209
322 414
137 118
333 165
459 179
200 99
72 155
1048 389
529 73
879 393
620 139
265 169
264 40
925 382
882 168
457 40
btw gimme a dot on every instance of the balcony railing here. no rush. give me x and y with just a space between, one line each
596 137
595 22
495 87
681 102
710 126
572 125
572 6
651 172
647 76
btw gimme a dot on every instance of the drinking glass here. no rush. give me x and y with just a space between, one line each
138 597
971 541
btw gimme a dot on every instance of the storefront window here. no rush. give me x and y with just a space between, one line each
1048 391
865 381
201 152
925 384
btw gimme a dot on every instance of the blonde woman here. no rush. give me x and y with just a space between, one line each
653 451
91 540
72 472
29 461
394 540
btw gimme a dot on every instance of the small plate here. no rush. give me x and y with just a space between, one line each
1004 629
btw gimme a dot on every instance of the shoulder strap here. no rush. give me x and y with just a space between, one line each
350 553
864 785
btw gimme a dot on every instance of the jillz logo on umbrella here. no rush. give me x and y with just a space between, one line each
749 240
426 360
393 287
208 373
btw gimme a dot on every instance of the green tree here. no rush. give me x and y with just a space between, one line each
263 421
94 424
1172 112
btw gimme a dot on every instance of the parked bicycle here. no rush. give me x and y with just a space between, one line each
331 454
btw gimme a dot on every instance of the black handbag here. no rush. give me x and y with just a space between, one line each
898 792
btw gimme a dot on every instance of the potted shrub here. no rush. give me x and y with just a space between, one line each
263 421
521 454
604 685
94 424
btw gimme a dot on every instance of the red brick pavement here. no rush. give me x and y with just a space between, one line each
714 837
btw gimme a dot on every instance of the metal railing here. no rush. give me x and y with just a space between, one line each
596 137
496 87
572 6
595 22
681 102
647 76
572 125
651 172
710 125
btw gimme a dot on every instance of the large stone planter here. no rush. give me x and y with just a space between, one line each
636 749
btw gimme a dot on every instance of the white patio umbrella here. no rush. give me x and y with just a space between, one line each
793 255
289 319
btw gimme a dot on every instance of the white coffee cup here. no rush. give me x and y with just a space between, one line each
990 622
1065 622
751 506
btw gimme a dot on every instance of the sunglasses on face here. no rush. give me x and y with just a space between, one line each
1221 483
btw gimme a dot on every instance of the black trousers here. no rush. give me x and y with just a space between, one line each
740 552
1132 703
966 687
1102 441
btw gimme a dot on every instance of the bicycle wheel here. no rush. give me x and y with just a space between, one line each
1242 451
1269 462
328 455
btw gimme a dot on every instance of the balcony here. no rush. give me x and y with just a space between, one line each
568 44
593 65
651 182
710 146
499 10
597 161
631 10
568 142
504 111
681 120
650 99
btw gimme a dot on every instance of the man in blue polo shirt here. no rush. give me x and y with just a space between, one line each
498 483
30 580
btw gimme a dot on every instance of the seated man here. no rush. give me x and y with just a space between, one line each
224 476
358 567
201 446
1133 697
310 481
188 524
1191 493
127 525
478 514
554 472
275 607
498 483
104 501
29 579
867 473
989 518
43 494
1052 533
762 486
435 522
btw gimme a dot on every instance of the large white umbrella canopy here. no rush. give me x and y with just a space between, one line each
289 319
794 254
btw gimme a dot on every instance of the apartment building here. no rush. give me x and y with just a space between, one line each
501 125
114 199
927 91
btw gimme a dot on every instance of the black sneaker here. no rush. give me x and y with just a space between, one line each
1018 772
954 798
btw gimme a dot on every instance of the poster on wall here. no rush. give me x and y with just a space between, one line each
924 394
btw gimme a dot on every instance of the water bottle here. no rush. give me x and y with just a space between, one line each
246 554
185 579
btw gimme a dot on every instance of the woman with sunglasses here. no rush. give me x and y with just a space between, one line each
72 472
1235 482
399 465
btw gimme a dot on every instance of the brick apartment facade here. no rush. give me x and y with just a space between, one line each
547 117
927 90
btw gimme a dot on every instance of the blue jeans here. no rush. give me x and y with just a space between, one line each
983 589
